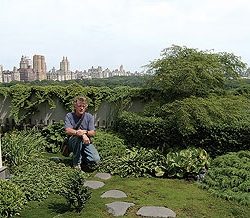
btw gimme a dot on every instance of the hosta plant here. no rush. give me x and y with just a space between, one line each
186 163
139 162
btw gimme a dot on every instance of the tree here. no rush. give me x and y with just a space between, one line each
182 71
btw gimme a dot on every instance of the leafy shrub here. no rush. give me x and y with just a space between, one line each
217 124
12 199
40 177
21 146
54 135
229 177
148 132
110 148
186 163
74 190
138 162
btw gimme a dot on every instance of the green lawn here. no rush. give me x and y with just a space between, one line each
183 197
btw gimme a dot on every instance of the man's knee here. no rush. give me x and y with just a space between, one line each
96 158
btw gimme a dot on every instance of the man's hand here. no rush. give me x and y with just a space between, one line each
85 139
81 132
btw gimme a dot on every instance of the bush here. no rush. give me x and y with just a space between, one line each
138 162
217 124
187 163
21 146
12 199
110 148
54 135
229 177
150 132
40 177
74 190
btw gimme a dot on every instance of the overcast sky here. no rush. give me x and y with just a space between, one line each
109 33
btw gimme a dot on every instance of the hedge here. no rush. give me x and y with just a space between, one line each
217 124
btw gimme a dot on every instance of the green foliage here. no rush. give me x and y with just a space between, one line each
190 114
26 100
182 71
40 177
54 135
19 147
110 148
229 177
217 124
145 131
74 191
138 162
12 199
131 81
186 163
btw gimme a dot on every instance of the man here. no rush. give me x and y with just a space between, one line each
84 152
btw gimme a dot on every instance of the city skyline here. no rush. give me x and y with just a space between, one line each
56 66
110 32
36 69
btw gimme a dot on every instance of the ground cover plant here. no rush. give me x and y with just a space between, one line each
183 197
229 177
34 178
41 177
12 199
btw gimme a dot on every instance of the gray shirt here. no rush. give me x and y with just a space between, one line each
87 123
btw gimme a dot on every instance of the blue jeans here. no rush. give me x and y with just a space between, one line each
83 153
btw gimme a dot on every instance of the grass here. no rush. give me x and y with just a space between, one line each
183 197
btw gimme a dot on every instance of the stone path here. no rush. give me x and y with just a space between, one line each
119 208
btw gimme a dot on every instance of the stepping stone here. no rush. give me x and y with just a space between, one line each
93 184
104 176
152 211
118 208
114 194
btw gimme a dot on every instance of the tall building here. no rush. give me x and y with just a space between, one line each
16 74
64 70
39 67
25 70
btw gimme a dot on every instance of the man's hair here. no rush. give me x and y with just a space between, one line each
81 99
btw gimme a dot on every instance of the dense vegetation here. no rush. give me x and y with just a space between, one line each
34 177
111 82
229 177
196 108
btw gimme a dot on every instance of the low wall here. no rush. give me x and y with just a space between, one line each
104 116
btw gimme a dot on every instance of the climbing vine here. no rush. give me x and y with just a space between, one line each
26 100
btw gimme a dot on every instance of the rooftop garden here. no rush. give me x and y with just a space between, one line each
188 150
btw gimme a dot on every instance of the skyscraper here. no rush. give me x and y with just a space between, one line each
25 70
39 67
64 69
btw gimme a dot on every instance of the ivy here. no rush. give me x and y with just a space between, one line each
25 100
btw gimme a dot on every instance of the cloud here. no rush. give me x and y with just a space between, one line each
112 32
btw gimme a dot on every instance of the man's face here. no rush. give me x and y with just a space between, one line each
80 107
